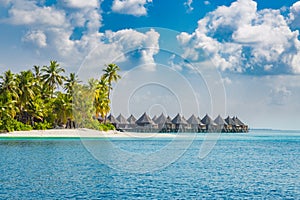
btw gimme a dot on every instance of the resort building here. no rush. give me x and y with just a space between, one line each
123 124
178 124
211 126
113 120
221 124
131 121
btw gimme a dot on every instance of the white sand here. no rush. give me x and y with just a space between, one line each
83 133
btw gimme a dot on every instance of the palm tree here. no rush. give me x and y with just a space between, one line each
101 100
63 108
37 72
71 81
110 74
52 76
25 82
8 87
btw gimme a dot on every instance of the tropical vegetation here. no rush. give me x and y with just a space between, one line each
43 98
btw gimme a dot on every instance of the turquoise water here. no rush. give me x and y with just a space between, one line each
258 165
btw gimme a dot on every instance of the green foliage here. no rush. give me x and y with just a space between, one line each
106 127
91 124
42 125
14 125
103 88
19 126
34 95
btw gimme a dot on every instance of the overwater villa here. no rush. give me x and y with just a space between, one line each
165 124
123 123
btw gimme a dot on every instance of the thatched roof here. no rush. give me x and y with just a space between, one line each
131 119
168 120
193 120
179 120
161 119
144 120
112 119
207 120
154 118
238 121
220 121
230 121
122 119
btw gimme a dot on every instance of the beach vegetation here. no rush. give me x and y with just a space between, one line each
43 98
106 127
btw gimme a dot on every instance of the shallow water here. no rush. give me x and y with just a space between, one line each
261 164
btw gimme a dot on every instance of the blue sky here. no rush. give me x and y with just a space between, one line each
237 57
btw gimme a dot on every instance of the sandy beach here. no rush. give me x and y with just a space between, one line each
81 133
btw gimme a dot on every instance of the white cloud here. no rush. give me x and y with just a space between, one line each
241 38
81 4
51 29
146 44
36 37
226 80
188 4
131 7
206 3
28 13
173 65
294 15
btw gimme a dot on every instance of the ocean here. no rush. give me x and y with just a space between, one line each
262 164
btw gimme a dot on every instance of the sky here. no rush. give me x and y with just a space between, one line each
228 57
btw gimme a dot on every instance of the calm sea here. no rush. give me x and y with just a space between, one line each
257 165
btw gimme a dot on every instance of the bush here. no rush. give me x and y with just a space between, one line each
96 125
19 126
42 125
91 124
14 125
106 127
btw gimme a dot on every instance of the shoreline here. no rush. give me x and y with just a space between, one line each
81 133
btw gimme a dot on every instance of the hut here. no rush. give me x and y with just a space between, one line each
122 122
154 118
168 124
211 126
113 120
131 122
195 124
231 125
164 123
145 123
180 123
160 121
221 124
242 126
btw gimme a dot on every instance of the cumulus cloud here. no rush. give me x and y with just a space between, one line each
241 38
294 15
36 37
145 45
28 13
131 7
51 29
81 4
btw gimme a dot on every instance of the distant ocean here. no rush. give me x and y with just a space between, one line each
262 164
